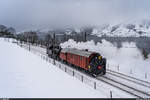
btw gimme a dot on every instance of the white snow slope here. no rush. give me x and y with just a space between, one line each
25 75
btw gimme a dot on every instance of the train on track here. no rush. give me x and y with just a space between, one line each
91 62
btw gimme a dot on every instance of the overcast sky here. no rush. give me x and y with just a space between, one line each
32 14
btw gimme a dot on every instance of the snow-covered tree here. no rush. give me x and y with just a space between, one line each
48 39
9 32
2 30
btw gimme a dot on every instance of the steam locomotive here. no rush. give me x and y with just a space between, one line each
91 62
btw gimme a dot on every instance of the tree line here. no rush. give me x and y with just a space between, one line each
50 37
7 31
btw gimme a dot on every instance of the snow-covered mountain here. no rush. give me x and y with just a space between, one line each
138 28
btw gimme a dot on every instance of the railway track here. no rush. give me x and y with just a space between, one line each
129 78
124 87
134 84
109 79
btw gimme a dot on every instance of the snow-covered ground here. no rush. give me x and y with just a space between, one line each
125 60
24 74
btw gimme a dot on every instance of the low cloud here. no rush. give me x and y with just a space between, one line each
32 14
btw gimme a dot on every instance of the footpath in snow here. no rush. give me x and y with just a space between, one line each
24 74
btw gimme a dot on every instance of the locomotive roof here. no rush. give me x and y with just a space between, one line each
77 52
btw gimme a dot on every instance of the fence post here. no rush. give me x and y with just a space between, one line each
130 71
59 65
54 61
29 46
118 67
47 59
65 69
110 94
82 78
73 72
21 43
94 85
17 41
145 75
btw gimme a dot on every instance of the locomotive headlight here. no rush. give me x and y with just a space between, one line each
99 67
89 66
99 57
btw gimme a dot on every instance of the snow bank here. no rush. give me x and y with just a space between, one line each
127 59
24 74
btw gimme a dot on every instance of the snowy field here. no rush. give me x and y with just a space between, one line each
27 75
127 60
24 74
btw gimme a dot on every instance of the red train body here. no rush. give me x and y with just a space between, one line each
84 60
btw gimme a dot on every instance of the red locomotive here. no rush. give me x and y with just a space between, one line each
87 60
91 62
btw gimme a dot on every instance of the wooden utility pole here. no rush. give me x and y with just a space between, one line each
53 41
85 37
